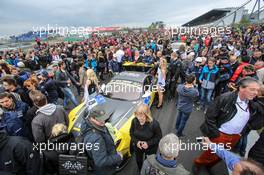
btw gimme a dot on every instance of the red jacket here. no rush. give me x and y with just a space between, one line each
238 71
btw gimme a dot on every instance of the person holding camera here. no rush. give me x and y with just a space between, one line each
186 95
231 115
234 163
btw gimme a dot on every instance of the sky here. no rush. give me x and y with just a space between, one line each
19 16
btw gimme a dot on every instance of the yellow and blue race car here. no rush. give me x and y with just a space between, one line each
122 95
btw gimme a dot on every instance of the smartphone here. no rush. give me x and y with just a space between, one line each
199 139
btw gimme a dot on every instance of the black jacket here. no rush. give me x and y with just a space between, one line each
62 77
31 113
223 109
149 132
49 88
176 70
18 156
257 151
51 157
24 96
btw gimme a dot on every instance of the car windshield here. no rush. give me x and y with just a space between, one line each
123 90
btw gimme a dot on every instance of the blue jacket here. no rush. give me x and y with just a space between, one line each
12 120
209 75
153 46
102 152
186 98
113 66
225 72
229 158
91 64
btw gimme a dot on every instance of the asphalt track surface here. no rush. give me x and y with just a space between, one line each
167 119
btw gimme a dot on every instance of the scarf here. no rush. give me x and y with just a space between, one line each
166 163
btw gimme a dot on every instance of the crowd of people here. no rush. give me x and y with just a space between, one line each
222 76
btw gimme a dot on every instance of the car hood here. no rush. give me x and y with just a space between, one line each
122 111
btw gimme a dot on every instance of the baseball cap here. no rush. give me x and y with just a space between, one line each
20 64
55 65
199 59
101 113
44 73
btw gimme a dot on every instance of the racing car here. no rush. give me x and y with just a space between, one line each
123 94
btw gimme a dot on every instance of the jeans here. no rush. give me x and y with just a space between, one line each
242 144
181 121
68 95
206 96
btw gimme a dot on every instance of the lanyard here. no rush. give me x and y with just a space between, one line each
245 110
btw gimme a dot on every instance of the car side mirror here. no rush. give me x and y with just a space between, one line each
103 88
146 94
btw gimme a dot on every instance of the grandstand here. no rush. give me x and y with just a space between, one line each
230 16
215 16
29 36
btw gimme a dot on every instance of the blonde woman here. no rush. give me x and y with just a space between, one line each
145 134
161 73
60 138
58 129
92 83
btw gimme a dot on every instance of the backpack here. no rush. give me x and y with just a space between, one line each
248 70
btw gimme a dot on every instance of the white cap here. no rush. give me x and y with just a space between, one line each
21 65
199 59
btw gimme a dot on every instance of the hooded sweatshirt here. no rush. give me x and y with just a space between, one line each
46 117
48 109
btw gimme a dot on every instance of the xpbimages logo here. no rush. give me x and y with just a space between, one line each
195 146
204 30
80 147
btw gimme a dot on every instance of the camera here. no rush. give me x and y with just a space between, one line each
199 139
